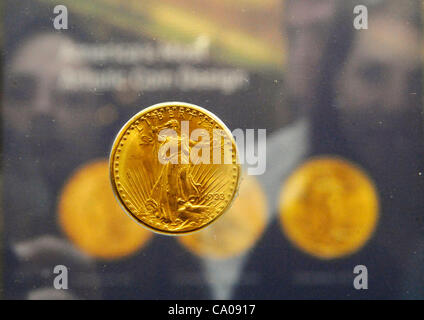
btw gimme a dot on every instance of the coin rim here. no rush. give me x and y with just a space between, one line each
118 139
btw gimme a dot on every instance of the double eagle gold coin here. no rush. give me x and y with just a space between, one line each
174 168
329 207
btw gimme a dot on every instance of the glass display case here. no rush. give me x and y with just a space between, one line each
327 96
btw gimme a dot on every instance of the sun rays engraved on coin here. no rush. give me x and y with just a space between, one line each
171 192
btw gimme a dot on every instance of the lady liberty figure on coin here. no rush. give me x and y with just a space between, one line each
175 191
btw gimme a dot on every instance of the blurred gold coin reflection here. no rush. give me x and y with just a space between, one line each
91 217
237 230
329 207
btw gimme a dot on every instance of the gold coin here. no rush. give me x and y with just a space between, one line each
174 167
93 220
237 231
329 207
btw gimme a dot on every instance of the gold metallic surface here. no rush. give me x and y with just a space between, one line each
173 198
237 231
329 207
93 220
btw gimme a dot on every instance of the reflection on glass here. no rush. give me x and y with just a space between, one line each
237 230
92 219
329 207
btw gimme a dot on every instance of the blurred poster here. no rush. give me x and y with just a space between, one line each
297 68
67 93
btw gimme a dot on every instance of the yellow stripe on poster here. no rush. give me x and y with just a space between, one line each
233 40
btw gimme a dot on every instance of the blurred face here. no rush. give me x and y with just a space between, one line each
378 93
50 125
306 24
